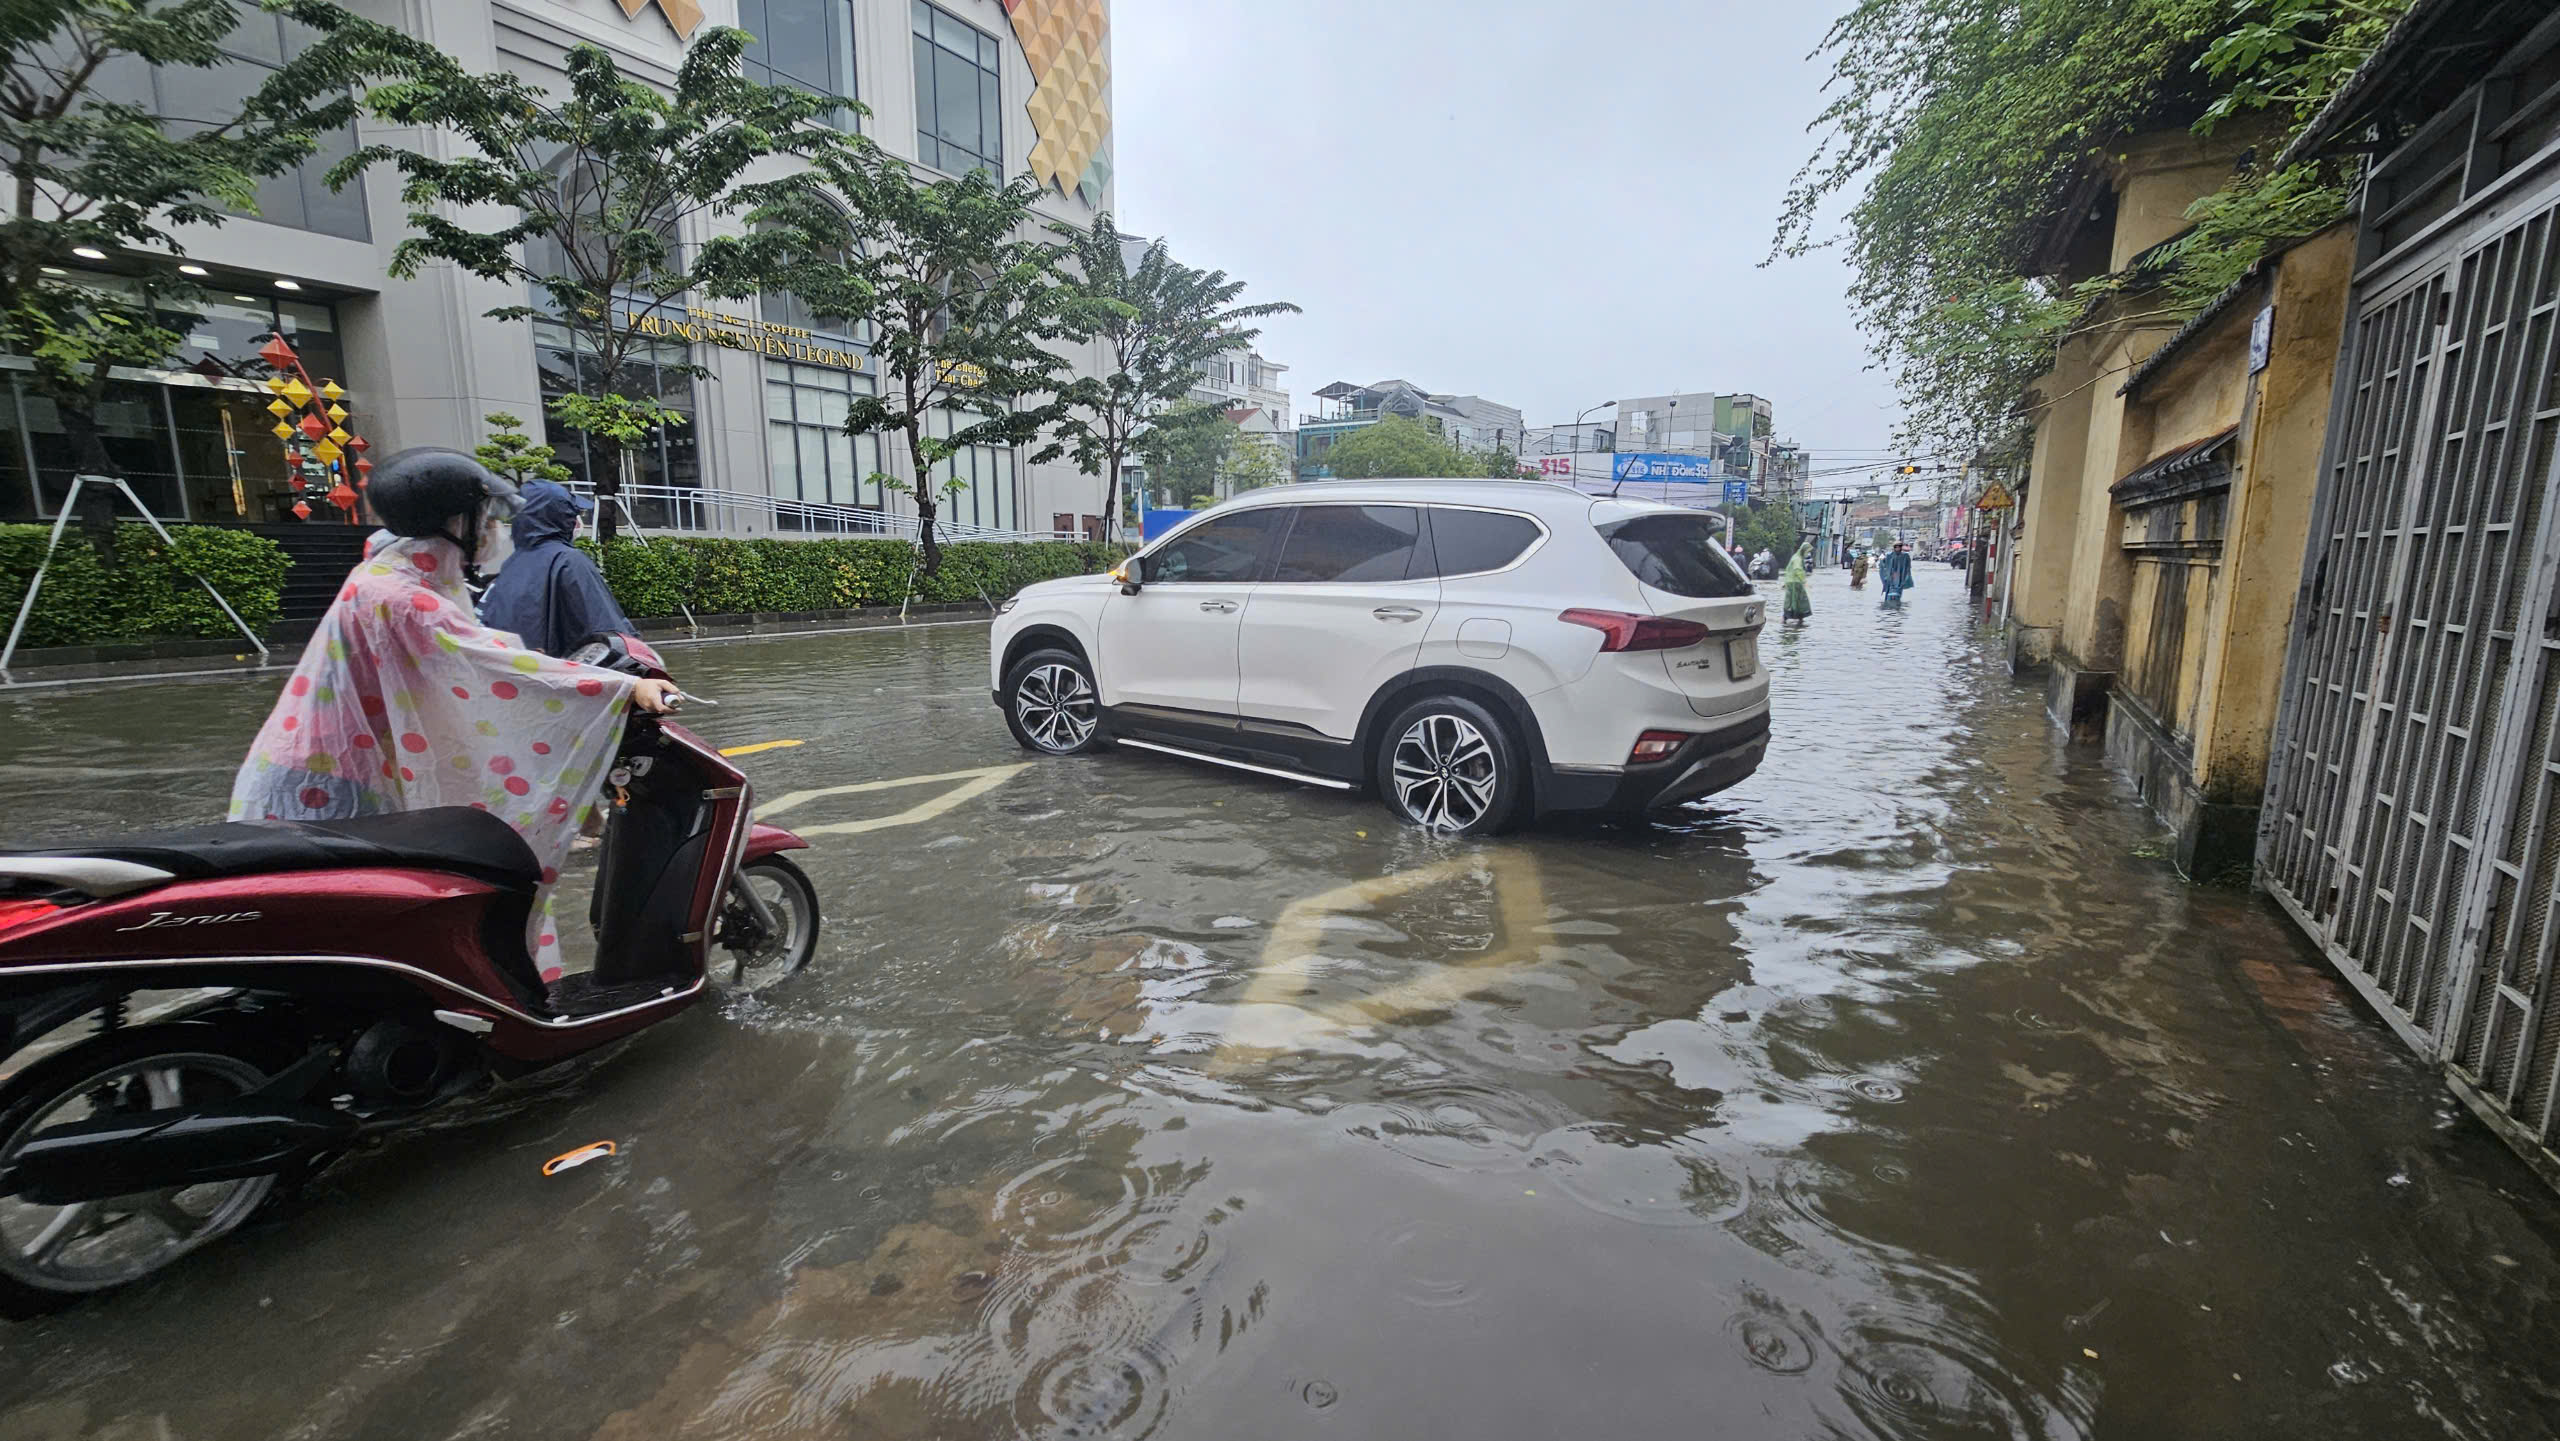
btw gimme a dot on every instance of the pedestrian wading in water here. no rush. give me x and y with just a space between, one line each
1896 574
1799 600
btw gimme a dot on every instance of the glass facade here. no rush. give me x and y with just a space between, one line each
807 452
188 97
196 442
959 124
670 458
807 43
986 496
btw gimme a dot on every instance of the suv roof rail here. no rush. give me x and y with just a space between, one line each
1430 480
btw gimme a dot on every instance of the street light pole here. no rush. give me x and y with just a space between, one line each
1577 433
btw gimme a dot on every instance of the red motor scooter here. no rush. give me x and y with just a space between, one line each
335 981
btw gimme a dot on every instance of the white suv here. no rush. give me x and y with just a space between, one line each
1478 651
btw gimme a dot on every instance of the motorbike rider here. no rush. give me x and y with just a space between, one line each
403 700
551 594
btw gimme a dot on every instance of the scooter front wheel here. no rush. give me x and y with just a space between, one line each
762 955
50 1255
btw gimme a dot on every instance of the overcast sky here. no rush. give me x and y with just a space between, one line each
1546 204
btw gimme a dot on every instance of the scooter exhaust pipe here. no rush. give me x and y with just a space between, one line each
157 1150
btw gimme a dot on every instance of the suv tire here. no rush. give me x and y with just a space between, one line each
1448 764
1051 704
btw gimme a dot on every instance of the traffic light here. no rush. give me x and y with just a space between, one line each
1907 468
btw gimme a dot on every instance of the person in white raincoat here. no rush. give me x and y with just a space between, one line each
404 701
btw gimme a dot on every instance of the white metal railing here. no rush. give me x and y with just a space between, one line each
688 510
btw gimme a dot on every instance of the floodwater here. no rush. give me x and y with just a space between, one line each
1901 1092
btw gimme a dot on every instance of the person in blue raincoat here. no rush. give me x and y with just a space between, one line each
550 594
1896 574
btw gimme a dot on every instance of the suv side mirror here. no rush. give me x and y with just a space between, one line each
1132 573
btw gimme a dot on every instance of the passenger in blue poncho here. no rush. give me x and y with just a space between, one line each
1895 572
550 594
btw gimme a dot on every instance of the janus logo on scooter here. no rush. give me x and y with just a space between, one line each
172 918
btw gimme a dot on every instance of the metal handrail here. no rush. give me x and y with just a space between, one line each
692 510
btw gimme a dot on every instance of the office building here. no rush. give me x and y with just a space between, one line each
950 85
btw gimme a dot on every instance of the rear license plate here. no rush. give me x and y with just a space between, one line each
1742 656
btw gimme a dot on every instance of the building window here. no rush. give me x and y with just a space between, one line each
807 43
807 452
669 461
958 122
985 472
186 98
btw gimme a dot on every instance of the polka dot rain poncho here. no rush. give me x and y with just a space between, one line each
404 701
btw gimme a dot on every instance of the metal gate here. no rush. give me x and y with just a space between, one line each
2410 822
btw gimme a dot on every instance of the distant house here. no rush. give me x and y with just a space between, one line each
1469 422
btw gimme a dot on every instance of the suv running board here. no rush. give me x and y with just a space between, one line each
1301 776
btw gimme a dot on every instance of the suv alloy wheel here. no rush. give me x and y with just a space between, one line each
1447 764
1050 704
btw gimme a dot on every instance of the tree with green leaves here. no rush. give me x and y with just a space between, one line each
595 189
1959 127
1767 525
1185 447
511 453
90 166
1157 321
967 316
1397 447
1254 463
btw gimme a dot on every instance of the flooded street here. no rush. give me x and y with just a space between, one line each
1901 1092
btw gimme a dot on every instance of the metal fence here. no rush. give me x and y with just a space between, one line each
690 510
2412 822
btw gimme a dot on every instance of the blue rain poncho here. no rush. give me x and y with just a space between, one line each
549 593
1896 573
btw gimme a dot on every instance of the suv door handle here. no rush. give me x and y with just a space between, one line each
1222 607
1396 612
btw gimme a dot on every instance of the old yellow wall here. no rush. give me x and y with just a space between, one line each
2159 176
2094 616
2270 518
2050 514
2209 391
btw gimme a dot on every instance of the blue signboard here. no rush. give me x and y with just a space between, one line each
1158 522
1696 469
1737 493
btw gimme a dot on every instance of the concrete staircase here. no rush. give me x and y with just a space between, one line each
322 554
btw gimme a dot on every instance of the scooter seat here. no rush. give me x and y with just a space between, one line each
446 838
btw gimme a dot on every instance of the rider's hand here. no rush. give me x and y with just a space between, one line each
657 697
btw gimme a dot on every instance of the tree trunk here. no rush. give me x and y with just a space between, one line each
608 460
926 508
925 538
97 512
1111 503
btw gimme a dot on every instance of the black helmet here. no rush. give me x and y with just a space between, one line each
419 490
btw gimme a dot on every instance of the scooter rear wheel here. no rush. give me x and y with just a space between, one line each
51 1256
759 959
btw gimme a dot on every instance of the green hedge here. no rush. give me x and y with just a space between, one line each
150 594
730 577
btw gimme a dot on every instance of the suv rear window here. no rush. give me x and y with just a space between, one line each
1676 553
1470 542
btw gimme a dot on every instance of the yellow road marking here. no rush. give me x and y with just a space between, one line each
974 783
1272 1014
758 747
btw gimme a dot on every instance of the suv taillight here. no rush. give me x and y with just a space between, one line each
1655 745
1622 631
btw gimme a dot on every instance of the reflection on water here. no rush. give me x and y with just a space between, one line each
1892 1094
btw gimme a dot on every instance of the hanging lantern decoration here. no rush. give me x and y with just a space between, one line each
311 420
